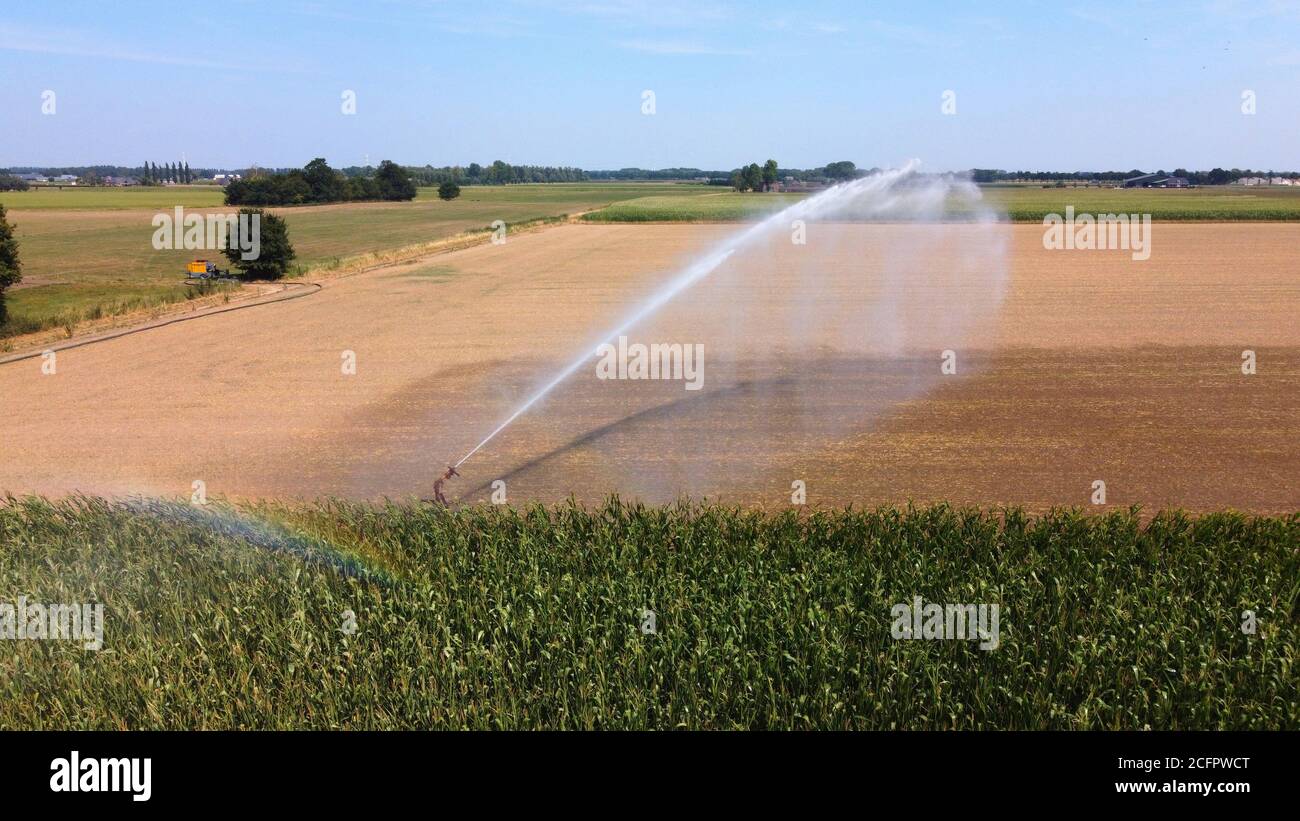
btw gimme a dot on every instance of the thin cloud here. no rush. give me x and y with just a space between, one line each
401 12
678 47
651 12
1098 18
911 35
69 45
784 25
1239 11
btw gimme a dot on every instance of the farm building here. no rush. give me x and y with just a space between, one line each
1139 181
1155 181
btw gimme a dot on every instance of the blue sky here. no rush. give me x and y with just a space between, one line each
1059 85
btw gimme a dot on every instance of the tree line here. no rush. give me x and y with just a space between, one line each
669 174
318 183
150 173
754 177
750 177
498 173
1215 176
153 174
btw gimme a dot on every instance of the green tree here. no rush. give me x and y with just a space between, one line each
394 183
326 184
11 269
186 174
842 170
448 191
769 173
498 173
275 250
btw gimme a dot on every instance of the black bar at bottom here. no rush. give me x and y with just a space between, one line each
369 770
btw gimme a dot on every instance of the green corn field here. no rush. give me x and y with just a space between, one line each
353 615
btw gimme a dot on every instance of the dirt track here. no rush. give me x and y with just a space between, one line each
1093 367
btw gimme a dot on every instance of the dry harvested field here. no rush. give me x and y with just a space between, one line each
1090 367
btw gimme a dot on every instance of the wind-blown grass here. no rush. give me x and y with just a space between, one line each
499 618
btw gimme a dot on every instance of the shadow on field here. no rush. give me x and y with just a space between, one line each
658 413
756 422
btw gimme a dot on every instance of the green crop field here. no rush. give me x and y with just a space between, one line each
88 252
713 205
94 199
1018 203
1025 203
346 615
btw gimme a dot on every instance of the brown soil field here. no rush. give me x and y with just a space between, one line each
822 364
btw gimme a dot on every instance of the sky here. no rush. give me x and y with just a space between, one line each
1053 86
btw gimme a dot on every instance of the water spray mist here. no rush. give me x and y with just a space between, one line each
876 196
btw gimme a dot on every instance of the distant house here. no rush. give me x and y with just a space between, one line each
119 181
65 179
1252 181
225 179
33 178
